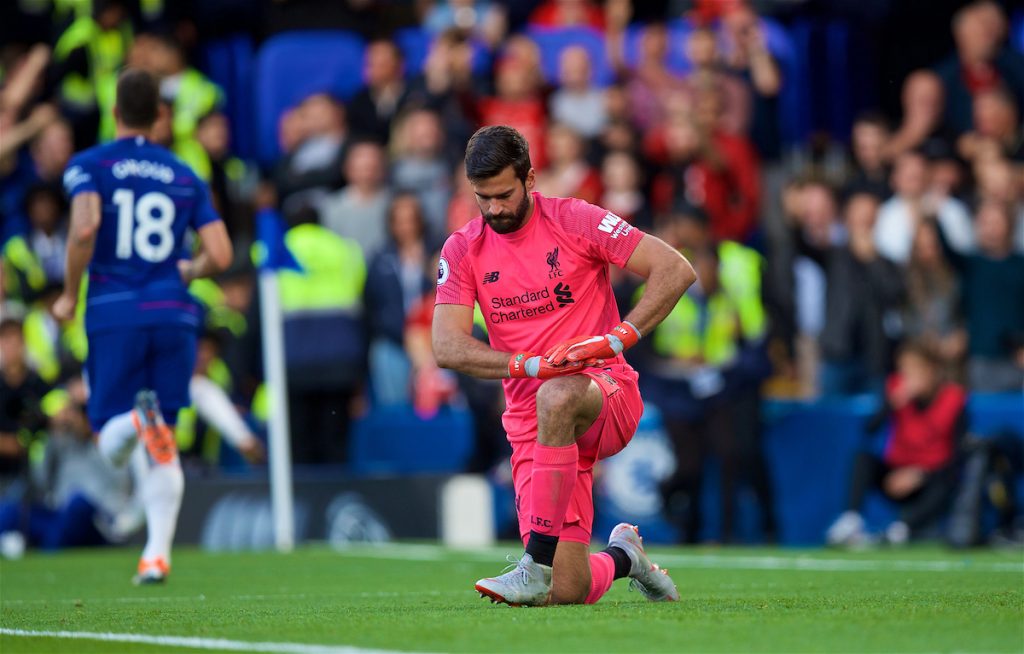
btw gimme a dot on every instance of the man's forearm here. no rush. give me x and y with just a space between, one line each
85 222
471 357
79 254
661 294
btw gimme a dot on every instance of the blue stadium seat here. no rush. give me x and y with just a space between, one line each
676 60
992 413
294 65
553 40
229 63
1017 30
415 42
396 440
839 80
796 101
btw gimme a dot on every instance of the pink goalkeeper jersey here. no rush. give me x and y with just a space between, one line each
543 284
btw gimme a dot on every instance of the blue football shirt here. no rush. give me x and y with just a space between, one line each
150 201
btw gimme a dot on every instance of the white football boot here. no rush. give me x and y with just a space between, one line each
527 584
646 577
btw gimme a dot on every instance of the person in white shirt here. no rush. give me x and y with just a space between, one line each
899 216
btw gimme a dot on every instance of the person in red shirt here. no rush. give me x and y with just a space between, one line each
568 174
709 169
518 103
918 466
538 269
568 13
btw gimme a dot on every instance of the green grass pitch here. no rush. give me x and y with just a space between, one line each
419 597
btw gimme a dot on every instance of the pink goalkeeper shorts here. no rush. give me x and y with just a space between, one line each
610 433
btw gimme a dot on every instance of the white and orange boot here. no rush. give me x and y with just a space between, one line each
151 571
646 577
153 431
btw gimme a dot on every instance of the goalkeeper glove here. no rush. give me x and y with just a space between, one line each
622 337
524 365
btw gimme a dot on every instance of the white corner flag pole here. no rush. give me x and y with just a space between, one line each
277 389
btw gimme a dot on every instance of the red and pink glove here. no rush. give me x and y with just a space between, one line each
524 365
622 337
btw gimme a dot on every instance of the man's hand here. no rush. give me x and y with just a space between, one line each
185 270
622 337
252 450
64 308
901 482
525 365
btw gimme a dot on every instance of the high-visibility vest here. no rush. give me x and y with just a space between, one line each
23 274
41 338
196 97
218 314
192 154
740 271
106 51
260 406
333 271
68 11
45 338
710 330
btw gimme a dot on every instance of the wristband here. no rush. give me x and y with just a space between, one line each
522 364
623 336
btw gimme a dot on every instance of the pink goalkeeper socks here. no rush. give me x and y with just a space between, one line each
602 574
554 476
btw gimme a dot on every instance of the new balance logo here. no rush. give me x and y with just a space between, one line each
608 223
491 277
563 295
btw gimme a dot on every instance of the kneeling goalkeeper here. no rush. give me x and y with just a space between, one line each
538 267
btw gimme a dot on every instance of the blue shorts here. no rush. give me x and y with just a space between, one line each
122 362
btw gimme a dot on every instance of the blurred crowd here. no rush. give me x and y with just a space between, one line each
814 268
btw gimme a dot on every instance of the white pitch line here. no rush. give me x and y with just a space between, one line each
832 565
420 552
215 644
246 598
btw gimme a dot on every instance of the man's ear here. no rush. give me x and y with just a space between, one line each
531 180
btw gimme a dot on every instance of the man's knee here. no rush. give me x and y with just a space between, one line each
561 396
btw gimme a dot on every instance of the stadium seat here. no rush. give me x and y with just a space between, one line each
678 31
992 413
553 40
228 62
795 100
839 80
1017 30
396 440
415 42
293 65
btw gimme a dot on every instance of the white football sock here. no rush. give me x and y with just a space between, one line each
214 406
117 438
161 488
